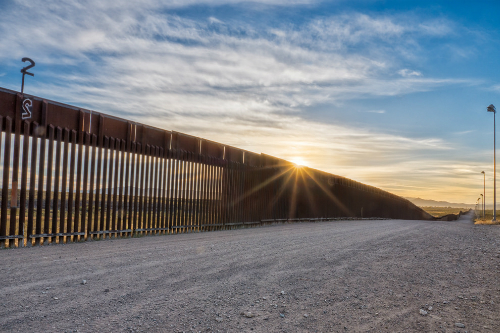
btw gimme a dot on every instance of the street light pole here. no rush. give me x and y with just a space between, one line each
477 205
482 203
484 194
491 108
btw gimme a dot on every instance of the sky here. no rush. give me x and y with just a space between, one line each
389 93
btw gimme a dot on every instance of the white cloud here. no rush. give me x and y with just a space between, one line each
408 73
496 87
213 20
185 3
141 55
437 27
278 33
464 132
376 111
148 55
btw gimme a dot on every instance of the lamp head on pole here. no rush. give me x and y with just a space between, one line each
481 194
491 108
482 171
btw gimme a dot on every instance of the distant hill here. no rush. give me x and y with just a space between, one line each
433 203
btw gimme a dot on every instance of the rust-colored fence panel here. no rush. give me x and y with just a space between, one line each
70 174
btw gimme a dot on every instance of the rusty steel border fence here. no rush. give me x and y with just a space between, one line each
71 174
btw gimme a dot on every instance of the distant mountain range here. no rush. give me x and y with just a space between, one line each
433 203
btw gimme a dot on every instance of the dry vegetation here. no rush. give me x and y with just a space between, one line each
487 218
441 211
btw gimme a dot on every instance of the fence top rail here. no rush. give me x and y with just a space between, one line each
45 112
12 95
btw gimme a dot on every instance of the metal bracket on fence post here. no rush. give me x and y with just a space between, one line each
24 71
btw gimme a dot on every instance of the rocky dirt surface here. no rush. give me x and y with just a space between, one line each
341 276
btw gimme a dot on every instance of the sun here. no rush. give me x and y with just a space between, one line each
298 161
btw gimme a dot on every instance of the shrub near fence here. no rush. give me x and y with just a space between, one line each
71 174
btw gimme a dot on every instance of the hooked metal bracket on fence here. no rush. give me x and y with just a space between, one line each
24 71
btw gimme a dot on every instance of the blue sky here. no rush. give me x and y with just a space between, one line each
389 93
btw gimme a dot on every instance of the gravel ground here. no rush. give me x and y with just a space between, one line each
340 276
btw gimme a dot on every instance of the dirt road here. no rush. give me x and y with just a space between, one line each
341 276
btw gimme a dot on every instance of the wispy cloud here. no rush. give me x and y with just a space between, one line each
376 111
408 73
167 53
438 27
186 3
495 87
212 19
465 132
